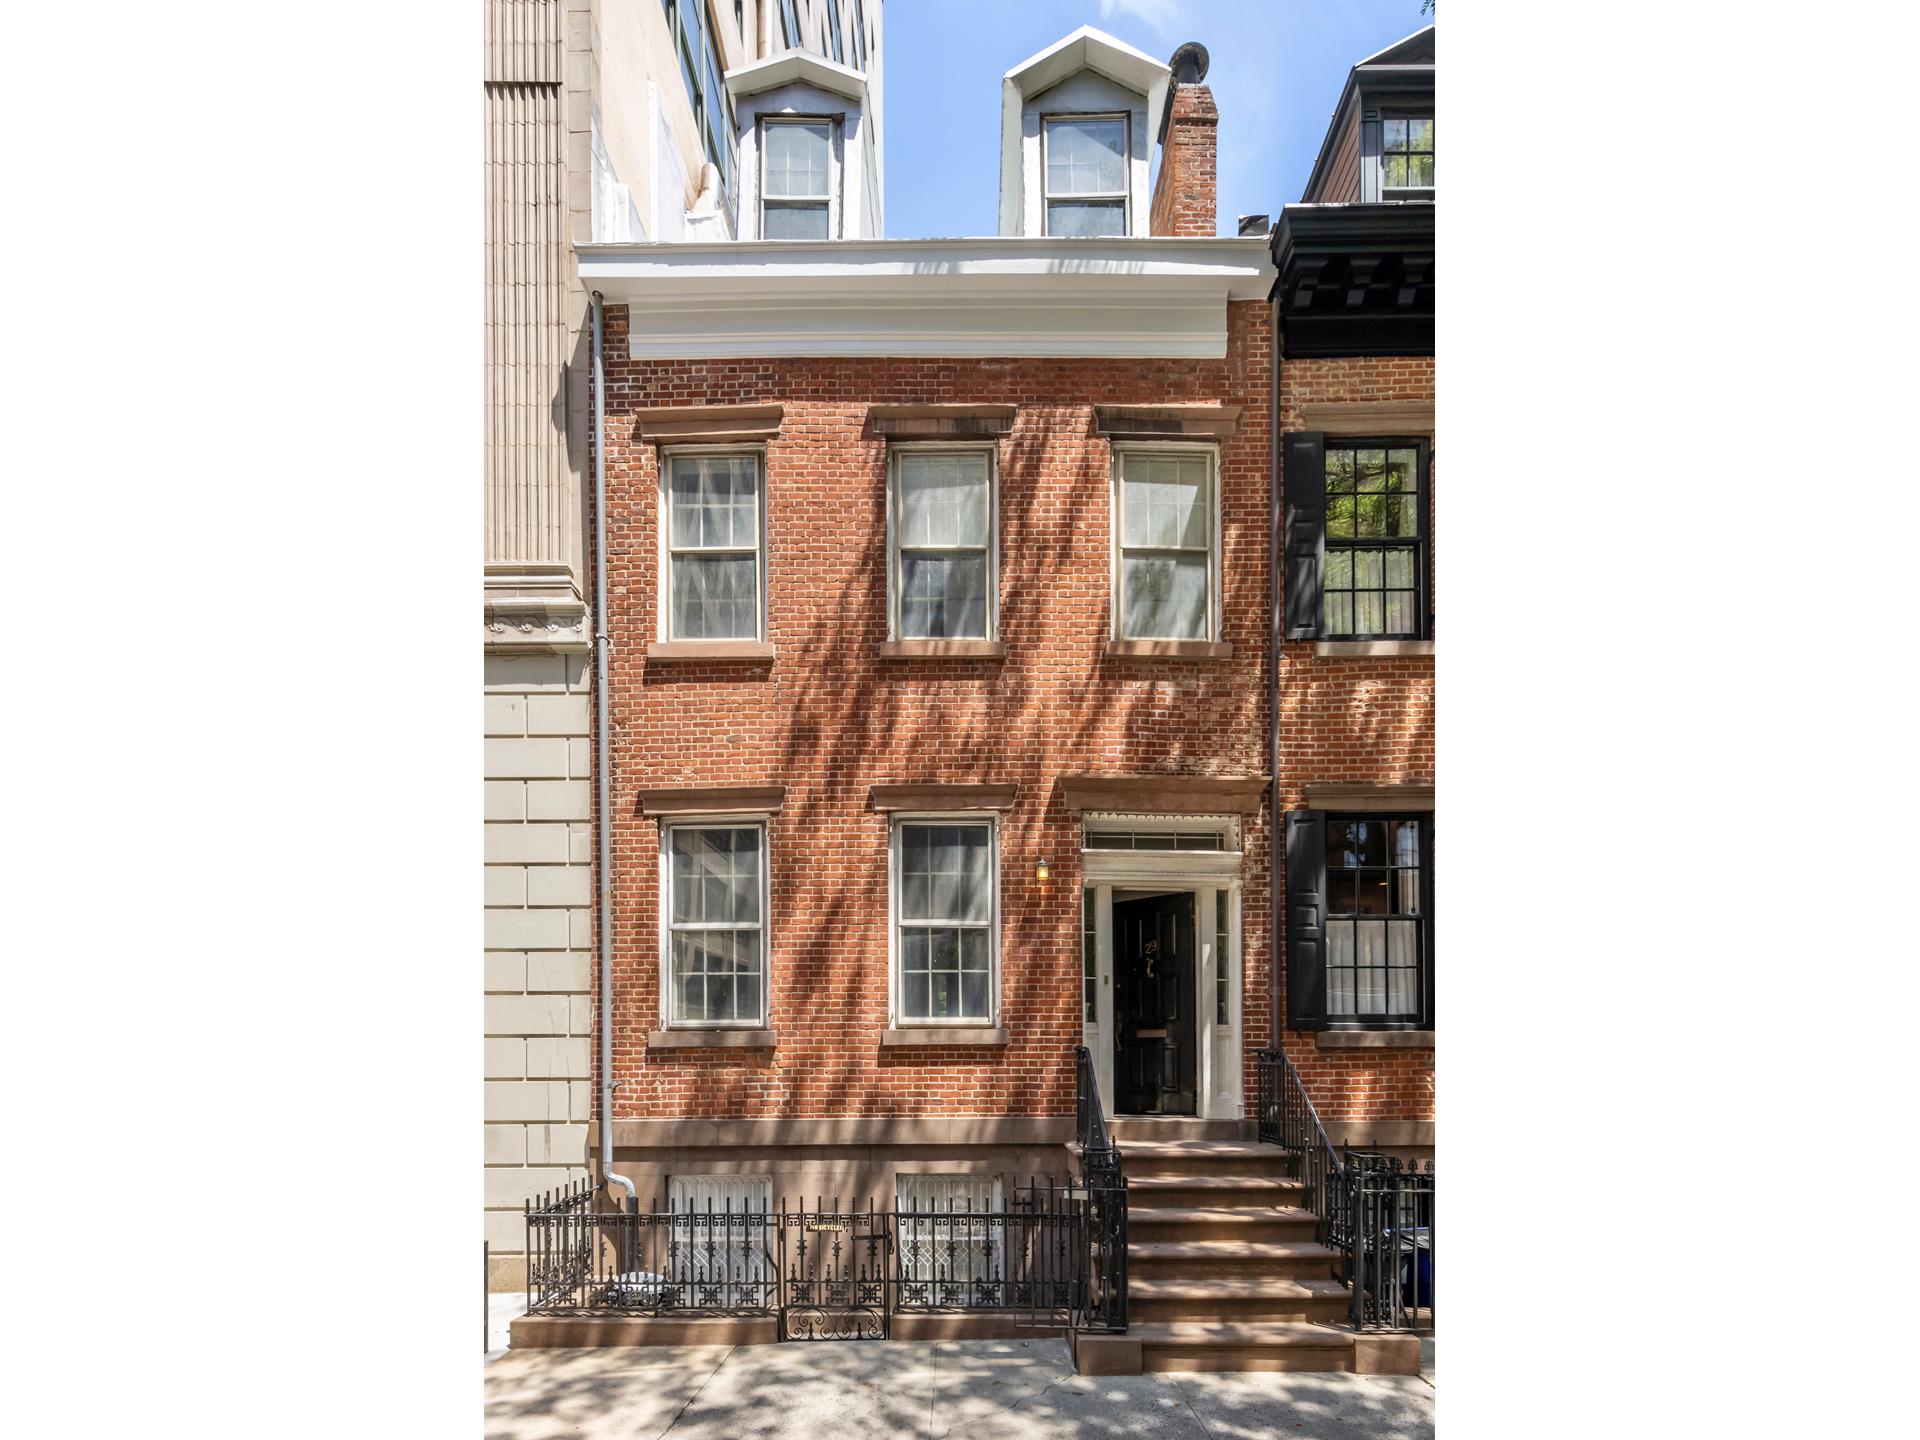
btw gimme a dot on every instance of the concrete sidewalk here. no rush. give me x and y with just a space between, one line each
955 1389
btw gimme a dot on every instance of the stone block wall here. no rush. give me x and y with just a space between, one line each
539 950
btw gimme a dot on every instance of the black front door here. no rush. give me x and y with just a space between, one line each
1155 1063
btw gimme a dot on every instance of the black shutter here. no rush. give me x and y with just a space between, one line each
1307 919
1306 494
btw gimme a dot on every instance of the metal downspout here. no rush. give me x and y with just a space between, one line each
603 765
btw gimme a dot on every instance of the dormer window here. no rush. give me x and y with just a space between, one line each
796 190
1085 165
1406 157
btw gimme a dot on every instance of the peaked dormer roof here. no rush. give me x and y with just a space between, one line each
1416 49
796 67
1084 49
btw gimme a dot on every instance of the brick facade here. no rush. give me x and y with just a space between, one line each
1355 720
827 718
1184 194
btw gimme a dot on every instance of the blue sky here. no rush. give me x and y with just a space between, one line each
1277 68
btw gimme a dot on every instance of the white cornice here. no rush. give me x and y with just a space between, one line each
1145 297
796 67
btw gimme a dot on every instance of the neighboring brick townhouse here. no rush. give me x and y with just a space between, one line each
1354 740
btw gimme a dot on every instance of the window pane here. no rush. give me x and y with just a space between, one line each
1394 134
795 222
716 876
1421 170
1403 470
1339 470
715 597
1370 470
1339 613
1340 510
1368 567
797 160
1086 157
1369 614
946 873
916 993
1400 613
1399 569
1339 971
1370 516
943 596
1396 167
713 501
1338 572
1085 219
943 499
1164 597
1164 501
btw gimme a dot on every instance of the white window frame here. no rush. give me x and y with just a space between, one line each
895 985
1211 453
666 550
715 822
795 202
1124 194
992 451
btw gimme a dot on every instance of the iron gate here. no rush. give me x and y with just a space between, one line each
834 1266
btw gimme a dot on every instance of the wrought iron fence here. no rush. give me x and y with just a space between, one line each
1374 1211
832 1272
1390 1220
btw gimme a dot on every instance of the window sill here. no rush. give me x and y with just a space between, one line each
687 651
1170 649
710 1040
943 1035
1362 649
943 650
1373 1039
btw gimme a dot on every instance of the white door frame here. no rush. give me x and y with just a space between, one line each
1203 873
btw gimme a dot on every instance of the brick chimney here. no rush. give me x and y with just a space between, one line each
1183 196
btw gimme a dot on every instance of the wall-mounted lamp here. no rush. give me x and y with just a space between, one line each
1040 871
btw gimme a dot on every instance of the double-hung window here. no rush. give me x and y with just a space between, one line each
1406 157
945 910
1167 573
1085 165
715 560
942 582
796 187
1371 581
1376 924
715 882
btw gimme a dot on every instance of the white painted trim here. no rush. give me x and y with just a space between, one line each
1152 297
796 67
1103 993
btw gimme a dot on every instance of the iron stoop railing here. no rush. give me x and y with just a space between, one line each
1374 1211
1104 1213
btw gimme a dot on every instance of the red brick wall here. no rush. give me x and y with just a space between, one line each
827 718
1184 194
1356 720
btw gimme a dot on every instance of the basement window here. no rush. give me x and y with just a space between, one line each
1085 168
945 1239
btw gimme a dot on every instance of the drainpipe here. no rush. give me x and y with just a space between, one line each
603 763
